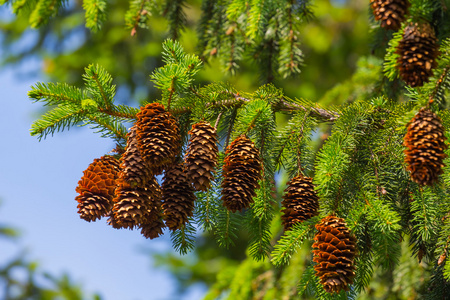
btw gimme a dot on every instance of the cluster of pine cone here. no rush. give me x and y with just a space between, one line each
126 189
334 246
418 48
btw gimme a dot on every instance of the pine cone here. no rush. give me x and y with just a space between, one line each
178 197
336 249
132 205
153 225
300 201
418 51
241 172
426 144
135 170
96 188
391 12
201 155
158 136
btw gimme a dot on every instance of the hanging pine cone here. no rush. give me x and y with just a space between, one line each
334 255
300 201
391 13
178 196
241 172
201 155
153 225
158 136
426 144
135 170
96 188
133 204
417 51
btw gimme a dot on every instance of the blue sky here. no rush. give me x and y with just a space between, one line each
37 192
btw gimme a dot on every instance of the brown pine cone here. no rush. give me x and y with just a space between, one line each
201 155
158 136
178 197
133 204
334 255
300 201
391 13
153 225
96 188
241 172
135 169
417 51
426 145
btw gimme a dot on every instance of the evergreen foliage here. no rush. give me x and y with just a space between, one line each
358 168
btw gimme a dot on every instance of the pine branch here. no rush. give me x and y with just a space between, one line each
292 150
99 84
18 5
43 11
176 16
291 56
137 15
259 220
95 13
256 17
440 82
57 119
281 105
123 112
391 58
291 241
183 239
55 94
203 30
108 127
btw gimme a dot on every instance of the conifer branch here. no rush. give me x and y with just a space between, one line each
115 113
183 239
171 91
291 241
55 94
230 128
42 12
102 91
95 13
281 105
251 125
136 15
300 136
120 135
439 83
218 120
59 118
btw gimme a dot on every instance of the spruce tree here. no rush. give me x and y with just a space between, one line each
376 217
